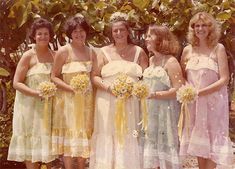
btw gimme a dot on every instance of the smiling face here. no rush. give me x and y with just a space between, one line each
79 35
151 41
42 36
201 30
120 32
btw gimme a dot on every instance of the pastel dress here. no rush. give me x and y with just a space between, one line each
31 137
70 129
107 152
209 114
161 145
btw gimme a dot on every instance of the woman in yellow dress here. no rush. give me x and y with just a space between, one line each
31 139
73 110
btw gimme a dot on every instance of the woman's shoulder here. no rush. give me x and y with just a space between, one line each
171 61
27 55
63 50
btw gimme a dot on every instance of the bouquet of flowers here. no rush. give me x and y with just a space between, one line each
185 95
141 91
122 89
47 89
80 82
122 86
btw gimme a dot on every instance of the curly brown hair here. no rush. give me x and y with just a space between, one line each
41 23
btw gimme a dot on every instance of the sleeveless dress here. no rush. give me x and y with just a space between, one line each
107 153
69 140
31 140
209 115
161 145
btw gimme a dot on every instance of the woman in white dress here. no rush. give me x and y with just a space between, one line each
120 57
31 139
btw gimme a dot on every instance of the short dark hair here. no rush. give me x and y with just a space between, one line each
73 22
41 23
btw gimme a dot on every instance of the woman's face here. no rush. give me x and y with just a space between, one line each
201 29
79 35
42 36
119 32
151 40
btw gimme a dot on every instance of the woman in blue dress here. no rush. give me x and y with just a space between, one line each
164 77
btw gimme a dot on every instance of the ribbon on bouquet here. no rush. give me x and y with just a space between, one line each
79 107
184 119
120 119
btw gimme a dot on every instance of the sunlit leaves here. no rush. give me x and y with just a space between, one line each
141 4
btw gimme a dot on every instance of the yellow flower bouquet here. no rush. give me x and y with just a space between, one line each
80 83
46 90
122 86
122 89
141 91
185 95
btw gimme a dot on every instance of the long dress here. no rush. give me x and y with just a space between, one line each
31 139
69 137
209 115
161 145
107 152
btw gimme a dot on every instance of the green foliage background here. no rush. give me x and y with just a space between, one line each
16 17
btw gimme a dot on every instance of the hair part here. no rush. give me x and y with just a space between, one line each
167 42
213 27
41 23
72 23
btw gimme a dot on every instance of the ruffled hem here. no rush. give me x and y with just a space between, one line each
30 148
107 153
219 150
70 143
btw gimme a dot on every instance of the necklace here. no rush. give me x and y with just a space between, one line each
121 51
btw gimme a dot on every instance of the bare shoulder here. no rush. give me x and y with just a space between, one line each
28 55
220 47
187 49
62 51
172 61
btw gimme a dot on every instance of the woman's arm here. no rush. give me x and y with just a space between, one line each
98 62
184 59
59 61
20 75
176 77
223 73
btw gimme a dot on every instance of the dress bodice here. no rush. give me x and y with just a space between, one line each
38 73
73 67
121 66
114 67
39 68
202 62
76 66
157 78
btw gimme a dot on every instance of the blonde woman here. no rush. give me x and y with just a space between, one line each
206 68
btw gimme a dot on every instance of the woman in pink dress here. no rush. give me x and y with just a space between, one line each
206 68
